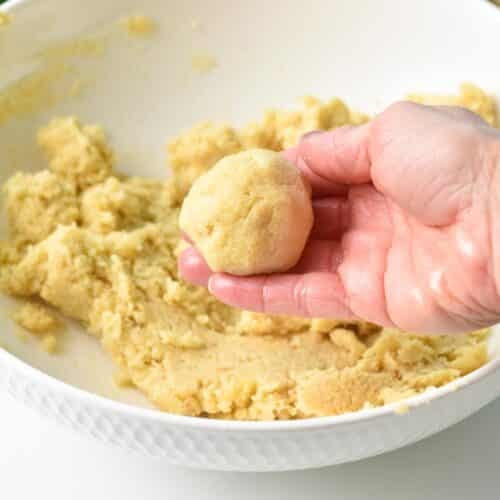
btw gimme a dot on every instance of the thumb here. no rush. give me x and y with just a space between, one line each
331 160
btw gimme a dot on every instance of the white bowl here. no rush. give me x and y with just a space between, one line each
144 90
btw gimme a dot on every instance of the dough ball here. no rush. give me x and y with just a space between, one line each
250 214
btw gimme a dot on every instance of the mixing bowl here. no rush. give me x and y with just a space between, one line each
77 59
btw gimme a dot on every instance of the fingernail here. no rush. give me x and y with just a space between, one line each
217 283
186 256
210 284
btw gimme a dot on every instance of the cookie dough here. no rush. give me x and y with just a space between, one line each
36 318
106 254
250 214
42 322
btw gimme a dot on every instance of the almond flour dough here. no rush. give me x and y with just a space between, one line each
36 318
102 248
41 321
250 214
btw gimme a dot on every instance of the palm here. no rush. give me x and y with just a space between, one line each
403 231
395 270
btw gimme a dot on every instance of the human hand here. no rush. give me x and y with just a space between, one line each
405 234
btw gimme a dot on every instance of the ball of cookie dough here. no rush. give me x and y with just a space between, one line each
250 214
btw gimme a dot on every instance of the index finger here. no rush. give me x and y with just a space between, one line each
333 160
312 295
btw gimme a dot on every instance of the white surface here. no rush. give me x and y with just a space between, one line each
39 460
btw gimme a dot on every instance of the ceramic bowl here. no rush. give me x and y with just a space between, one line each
144 90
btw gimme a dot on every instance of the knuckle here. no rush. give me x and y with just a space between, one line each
399 110
394 115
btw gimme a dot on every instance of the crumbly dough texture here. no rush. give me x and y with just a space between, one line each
250 214
102 248
36 318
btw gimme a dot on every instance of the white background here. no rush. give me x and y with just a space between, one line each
39 460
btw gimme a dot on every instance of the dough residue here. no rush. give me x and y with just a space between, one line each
41 321
36 318
102 248
203 62
4 19
55 78
138 25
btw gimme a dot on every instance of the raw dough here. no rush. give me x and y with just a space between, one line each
41 321
250 214
138 25
4 19
36 318
105 254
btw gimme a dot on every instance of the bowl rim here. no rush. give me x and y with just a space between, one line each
315 423
154 415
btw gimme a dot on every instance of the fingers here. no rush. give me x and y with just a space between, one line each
193 268
331 218
307 295
319 255
426 160
332 160
320 186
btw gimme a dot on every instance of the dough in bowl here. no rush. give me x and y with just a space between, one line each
250 214
101 247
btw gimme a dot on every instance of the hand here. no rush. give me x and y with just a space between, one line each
404 231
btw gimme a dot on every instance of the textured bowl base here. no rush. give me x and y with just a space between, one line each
268 447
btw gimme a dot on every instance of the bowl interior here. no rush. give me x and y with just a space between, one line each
145 89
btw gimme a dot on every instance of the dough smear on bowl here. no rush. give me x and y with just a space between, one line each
102 248
250 214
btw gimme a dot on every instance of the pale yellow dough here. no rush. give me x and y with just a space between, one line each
138 25
36 318
4 19
102 248
41 321
250 214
